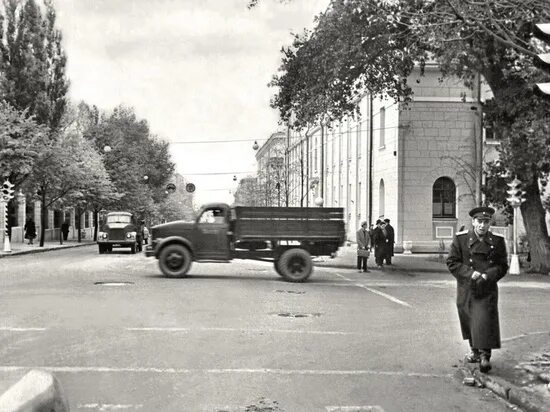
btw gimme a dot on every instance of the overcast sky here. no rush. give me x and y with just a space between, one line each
196 70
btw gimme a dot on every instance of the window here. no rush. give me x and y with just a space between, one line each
86 219
382 131
57 218
444 198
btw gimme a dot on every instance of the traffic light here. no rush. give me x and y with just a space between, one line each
517 194
7 191
542 32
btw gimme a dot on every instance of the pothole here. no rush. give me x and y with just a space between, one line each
112 283
295 292
297 315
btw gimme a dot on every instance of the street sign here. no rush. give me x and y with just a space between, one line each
170 188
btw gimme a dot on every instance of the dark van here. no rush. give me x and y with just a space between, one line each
119 230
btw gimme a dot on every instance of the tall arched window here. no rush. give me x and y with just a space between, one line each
444 198
381 198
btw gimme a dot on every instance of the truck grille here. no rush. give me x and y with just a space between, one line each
116 234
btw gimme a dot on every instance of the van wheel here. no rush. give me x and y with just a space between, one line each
295 265
133 249
101 249
175 261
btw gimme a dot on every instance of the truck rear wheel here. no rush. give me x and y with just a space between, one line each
295 265
175 261
276 265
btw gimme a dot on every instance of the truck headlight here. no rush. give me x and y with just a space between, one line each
103 235
130 235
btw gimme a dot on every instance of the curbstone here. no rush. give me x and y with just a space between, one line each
37 391
526 401
498 386
44 249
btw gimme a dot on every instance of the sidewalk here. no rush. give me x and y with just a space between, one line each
521 372
24 248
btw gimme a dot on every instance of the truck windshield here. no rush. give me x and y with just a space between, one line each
119 219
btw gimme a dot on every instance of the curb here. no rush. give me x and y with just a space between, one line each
43 249
36 391
507 391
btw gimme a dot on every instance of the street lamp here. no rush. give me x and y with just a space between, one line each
146 178
107 148
255 146
516 199
234 178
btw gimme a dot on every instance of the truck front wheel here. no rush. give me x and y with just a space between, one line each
295 265
174 261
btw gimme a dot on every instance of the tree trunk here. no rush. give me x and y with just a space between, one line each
533 215
43 217
78 215
96 224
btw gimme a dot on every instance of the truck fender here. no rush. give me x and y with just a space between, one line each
173 240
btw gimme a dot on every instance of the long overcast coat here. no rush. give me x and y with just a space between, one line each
478 315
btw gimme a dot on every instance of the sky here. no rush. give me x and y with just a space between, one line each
196 70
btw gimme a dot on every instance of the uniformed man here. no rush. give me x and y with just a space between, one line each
478 260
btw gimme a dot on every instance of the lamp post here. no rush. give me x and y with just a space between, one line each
516 199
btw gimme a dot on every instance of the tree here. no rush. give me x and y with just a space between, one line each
33 61
66 169
373 45
138 163
19 137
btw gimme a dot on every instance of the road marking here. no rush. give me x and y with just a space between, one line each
108 406
524 335
264 371
304 332
9 329
377 292
368 408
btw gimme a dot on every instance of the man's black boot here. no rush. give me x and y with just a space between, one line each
485 365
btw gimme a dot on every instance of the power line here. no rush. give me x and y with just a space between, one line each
212 141
216 173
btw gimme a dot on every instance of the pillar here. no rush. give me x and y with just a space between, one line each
21 209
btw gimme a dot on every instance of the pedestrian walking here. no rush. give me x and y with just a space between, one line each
65 229
30 230
478 260
363 247
379 242
390 241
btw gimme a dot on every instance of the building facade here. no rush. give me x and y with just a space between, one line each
415 164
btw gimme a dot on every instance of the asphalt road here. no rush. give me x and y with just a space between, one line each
235 337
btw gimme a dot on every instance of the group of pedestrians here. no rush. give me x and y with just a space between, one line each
381 238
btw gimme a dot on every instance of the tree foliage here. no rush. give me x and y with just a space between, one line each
19 139
372 46
33 61
66 170
138 163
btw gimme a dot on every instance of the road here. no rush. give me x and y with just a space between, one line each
231 336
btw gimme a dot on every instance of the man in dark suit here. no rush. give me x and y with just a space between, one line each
390 240
363 247
478 260
379 242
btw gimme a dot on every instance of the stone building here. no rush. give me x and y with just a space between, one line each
414 164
